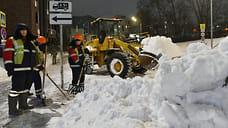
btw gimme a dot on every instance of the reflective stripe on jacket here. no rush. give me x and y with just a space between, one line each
76 56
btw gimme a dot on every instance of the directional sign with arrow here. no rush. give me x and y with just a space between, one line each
60 18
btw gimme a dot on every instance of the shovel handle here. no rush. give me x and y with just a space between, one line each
68 97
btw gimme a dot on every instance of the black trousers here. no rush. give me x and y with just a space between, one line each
36 79
76 74
21 80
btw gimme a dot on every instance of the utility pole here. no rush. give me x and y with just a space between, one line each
43 17
140 27
211 23
61 55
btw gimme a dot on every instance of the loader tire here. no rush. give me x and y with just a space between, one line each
119 64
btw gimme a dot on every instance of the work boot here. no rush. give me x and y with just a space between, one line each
12 102
23 105
38 97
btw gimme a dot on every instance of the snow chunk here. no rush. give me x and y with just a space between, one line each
196 48
161 44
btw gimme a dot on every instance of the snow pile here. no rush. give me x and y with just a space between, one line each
3 74
161 44
197 47
224 45
185 93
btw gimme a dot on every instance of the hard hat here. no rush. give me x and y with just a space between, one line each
41 39
78 37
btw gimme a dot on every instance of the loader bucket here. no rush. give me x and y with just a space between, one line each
148 60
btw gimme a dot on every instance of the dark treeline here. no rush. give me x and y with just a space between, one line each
180 19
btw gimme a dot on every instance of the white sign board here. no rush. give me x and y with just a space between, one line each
56 18
60 6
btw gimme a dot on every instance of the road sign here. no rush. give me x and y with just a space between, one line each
2 19
202 27
3 33
203 39
60 18
202 34
60 6
60 14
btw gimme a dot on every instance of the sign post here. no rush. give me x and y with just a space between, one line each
61 54
60 15
202 29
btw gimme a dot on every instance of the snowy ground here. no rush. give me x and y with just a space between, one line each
184 45
40 116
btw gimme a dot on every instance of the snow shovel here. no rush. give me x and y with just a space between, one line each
79 79
43 96
60 89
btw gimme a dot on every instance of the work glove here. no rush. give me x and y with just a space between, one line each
41 68
10 73
72 89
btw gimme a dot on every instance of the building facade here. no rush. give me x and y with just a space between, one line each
21 11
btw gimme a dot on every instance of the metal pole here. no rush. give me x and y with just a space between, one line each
140 25
211 23
41 17
61 54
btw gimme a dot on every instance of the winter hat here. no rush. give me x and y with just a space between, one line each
22 26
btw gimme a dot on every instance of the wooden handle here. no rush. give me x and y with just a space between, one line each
68 97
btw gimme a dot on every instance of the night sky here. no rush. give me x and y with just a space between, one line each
104 8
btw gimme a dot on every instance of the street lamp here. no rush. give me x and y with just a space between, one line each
134 19
140 24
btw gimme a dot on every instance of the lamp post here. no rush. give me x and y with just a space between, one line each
211 23
140 24
134 19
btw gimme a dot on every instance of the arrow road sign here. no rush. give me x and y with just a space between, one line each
60 6
56 19
60 18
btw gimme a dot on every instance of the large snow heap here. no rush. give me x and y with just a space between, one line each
186 93
161 45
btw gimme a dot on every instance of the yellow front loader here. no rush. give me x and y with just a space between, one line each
121 58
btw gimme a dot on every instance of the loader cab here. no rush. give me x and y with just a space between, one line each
103 27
